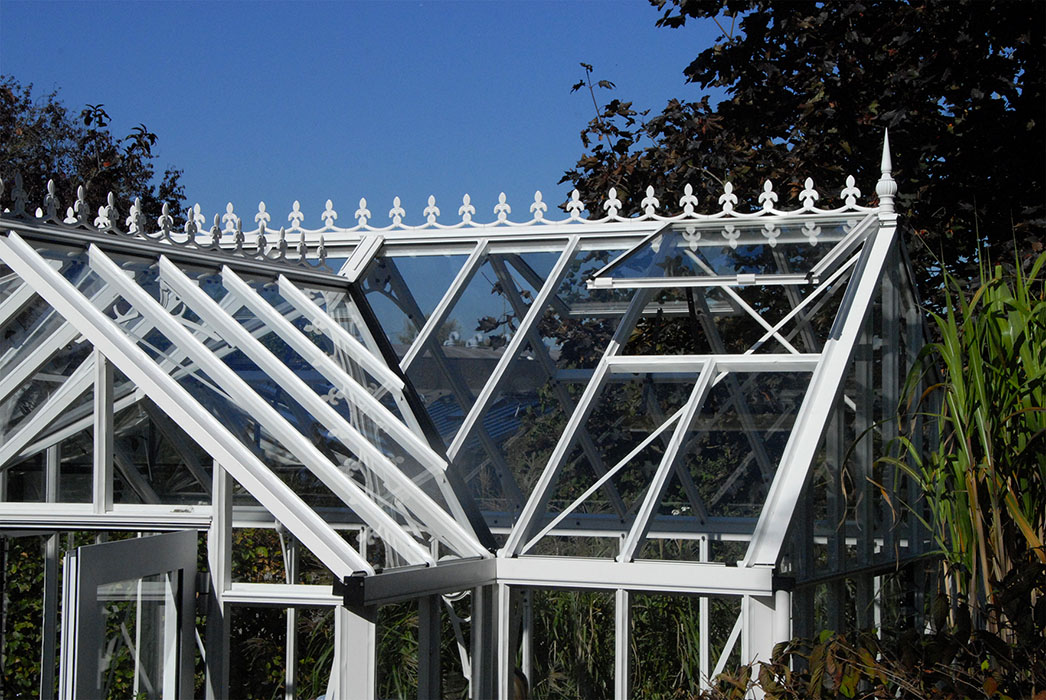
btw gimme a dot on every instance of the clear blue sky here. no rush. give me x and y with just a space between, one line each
278 101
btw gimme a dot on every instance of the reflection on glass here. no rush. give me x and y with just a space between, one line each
731 248
137 651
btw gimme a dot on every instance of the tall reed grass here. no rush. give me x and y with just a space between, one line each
982 387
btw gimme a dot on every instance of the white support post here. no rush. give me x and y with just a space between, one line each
526 637
705 624
485 651
757 634
622 646
782 631
49 624
354 671
219 566
505 663
102 491
290 566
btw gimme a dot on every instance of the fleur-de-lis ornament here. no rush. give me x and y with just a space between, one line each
538 208
650 203
768 198
329 216
431 211
850 193
362 214
728 199
688 201
502 209
296 216
466 210
809 195
397 212
613 205
575 206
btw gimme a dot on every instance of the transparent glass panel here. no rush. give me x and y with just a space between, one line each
156 462
729 248
138 649
404 291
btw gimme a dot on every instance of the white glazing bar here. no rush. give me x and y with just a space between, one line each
49 437
724 281
361 256
705 623
566 401
13 304
651 364
243 395
338 335
62 337
450 298
746 306
370 342
652 498
328 545
49 602
847 245
438 521
519 339
825 384
55 405
219 567
809 299
563 514
538 501
728 648
333 372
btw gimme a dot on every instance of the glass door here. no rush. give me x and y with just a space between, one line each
128 619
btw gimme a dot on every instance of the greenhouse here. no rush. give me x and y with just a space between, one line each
436 429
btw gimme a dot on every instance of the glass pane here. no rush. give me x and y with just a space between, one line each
404 291
137 651
732 248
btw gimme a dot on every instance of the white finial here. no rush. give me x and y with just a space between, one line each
886 188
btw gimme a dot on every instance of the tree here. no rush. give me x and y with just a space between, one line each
810 88
40 140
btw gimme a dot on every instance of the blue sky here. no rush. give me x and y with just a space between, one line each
279 101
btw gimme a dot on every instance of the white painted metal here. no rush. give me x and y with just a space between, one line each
441 524
239 391
272 493
765 611
102 491
537 502
338 335
513 348
54 406
813 416
622 644
446 303
652 499
332 372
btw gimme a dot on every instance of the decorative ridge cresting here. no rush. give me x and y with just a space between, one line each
227 233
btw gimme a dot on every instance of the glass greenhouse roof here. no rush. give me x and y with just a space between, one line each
761 251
